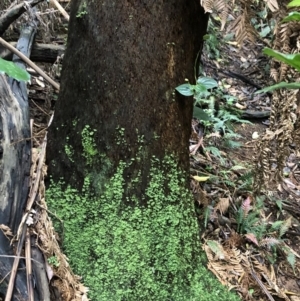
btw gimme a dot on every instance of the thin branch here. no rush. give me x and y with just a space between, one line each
14 269
61 9
29 267
30 63
20 257
34 188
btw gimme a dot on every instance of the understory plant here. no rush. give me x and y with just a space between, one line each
217 118
292 60
264 234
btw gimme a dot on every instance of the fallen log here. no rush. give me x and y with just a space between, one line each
46 53
15 161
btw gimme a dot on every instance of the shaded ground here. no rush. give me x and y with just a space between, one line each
252 243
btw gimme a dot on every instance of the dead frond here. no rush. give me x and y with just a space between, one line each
219 7
242 26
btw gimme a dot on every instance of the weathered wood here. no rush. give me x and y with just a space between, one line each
14 13
15 160
6 262
39 271
46 53
15 154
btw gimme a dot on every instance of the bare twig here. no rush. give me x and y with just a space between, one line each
29 267
14 269
61 9
34 188
261 285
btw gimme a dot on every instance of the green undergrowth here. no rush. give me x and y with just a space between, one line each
126 250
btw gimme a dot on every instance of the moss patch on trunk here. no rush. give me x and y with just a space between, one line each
134 248
126 249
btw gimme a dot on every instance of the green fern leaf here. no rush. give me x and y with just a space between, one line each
276 225
291 259
285 226
216 248
232 144
215 152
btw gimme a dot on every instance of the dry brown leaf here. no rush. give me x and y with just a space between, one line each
6 230
219 7
223 205
272 4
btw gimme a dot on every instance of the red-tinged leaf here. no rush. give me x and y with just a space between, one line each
252 238
246 206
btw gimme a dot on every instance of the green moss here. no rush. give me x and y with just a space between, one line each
88 144
131 249
69 150
120 137
82 10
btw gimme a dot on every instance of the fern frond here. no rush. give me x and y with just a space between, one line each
274 74
290 255
219 7
270 242
223 205
272 5
285 226
261 230
229 183
226 115
215 152
208 5
242 25
247 180
276 225
231 144
291 259
216 248
252 238
251 222
247 176
229 135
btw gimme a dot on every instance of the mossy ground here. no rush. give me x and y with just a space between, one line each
128 251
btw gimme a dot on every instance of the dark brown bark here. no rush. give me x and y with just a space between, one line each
40 52
121 67
122 64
